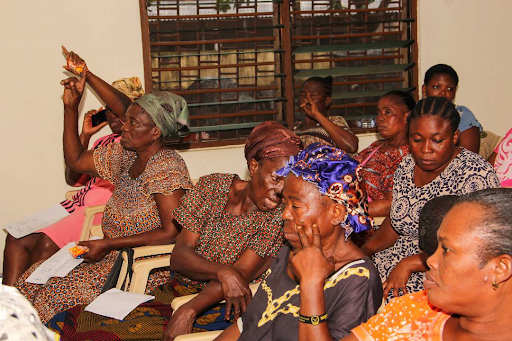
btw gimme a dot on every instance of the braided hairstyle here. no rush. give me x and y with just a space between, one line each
436 106
441 69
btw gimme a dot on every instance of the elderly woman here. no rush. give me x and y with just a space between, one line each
435 167
321 285
380 160
314 102
469 282
150 180
20 254
232 229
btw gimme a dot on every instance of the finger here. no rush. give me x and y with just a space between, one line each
228 310
316 236
302 236
385 289
65 51
101 125
237 306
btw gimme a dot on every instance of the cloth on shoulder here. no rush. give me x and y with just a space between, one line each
407 318
318 133
352 295
503 161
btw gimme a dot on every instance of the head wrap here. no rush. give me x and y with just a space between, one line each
271 139
168 111
336 175
131 87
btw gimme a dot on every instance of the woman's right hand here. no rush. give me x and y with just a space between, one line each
73 90
74 63
236 292
87 127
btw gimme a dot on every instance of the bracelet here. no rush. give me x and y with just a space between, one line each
314 320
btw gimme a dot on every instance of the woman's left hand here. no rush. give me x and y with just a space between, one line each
73 90
98 249
397 279
311 253
181 322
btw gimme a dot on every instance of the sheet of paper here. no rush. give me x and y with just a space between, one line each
58 265
36 221
116 303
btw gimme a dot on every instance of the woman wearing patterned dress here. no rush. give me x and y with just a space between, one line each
321 285
314 102
20 254
469 282
435 167
232 229
150 180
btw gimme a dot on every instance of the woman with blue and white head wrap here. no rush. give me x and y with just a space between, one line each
321 285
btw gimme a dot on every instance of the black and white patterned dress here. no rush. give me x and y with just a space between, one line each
467 172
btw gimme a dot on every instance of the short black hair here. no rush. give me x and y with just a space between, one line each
325 81
436 106
495 225
404 97
431 217
441 69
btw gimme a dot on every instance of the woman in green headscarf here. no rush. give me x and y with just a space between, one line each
150 180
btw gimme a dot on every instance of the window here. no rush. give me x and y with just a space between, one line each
238 63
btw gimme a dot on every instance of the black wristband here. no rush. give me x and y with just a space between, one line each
314 320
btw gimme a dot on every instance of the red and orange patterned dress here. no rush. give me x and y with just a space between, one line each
131 210
407 318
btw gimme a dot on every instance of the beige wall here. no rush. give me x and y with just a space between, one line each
107 35
474 38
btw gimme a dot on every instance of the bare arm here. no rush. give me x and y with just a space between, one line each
382 239
401 273
492 158
164 235
350 337
470 139
232 333
114 99
379 208
344 139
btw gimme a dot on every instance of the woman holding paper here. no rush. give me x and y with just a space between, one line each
150 180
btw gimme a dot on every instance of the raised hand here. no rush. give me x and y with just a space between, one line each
87 127
73 90
310 262
74 63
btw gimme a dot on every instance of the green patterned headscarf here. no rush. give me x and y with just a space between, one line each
168 111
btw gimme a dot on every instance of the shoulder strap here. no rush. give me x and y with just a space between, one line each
370 156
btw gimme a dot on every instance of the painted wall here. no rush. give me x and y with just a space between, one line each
107 34
474 38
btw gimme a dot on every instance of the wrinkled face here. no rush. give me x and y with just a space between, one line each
432 142
115 122
317 92
138 132
266 186
456 279
391 117
305 206
440 85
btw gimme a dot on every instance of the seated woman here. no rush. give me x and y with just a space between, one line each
441 80
380 160
501 159
150 180
232 229
20 254
435 167
314 102
469 283
321 285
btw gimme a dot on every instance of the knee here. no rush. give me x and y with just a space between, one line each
45 243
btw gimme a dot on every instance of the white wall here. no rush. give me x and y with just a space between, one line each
462 33
474 38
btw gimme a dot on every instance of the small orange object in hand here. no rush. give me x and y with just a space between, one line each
78 250
72 65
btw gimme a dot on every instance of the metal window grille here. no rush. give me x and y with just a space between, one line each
240 62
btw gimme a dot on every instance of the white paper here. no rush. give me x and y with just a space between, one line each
116 303
58 265
36 221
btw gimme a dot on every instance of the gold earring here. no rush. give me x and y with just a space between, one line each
495 285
